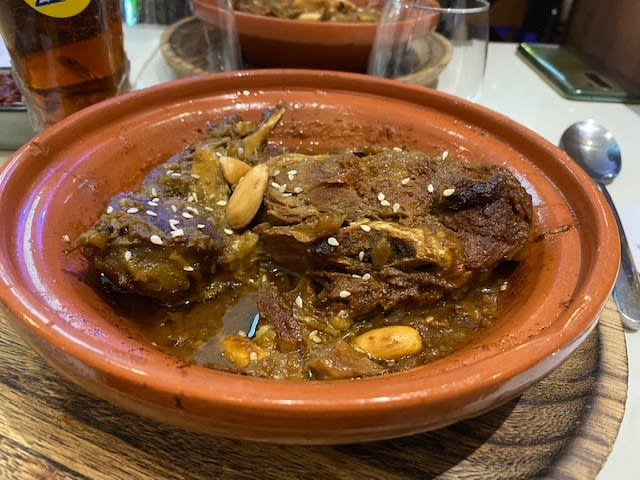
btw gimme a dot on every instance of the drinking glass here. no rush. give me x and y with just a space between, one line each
435 43
65 56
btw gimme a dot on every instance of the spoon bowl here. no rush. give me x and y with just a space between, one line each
595 149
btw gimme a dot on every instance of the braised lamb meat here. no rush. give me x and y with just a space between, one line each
360 262
166 240
417 229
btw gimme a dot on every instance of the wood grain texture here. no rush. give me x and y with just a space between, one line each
562 428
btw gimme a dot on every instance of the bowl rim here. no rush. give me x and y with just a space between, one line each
395 392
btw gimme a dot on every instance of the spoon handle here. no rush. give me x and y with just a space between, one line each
626 291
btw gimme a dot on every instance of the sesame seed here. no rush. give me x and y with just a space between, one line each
173 223
186 215
397 149
195 197
291 177
155 239
65 238
151 213
228 231
200 225
177 233
193 210
154 192
174 208
355 275
275 185
176 175
240 151
253 356
385 203
430 188
208 209
365 228
242 333
381 196
190 198
132 210
155 199
152 203
297 190
282 188
292 172
299 301
395 207
276 173
188 268
366 277
109 209
447 192
221 203
345 294
315 337
361 255
405 180
333 242
169 172
445 154
287 194
127 255
195 175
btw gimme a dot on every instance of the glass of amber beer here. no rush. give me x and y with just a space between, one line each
65 54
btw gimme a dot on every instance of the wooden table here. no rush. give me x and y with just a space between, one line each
563 427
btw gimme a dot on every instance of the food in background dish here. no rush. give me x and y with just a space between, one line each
316 10
9 92
286 265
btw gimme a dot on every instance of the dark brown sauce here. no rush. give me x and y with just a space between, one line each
193 332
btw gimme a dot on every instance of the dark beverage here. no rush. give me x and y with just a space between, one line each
66 54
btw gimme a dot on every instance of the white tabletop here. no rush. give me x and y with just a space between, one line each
515 90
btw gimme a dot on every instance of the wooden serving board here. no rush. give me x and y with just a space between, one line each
563 427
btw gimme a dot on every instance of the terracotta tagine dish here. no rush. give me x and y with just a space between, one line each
57 185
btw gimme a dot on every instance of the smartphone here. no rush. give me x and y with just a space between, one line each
573 75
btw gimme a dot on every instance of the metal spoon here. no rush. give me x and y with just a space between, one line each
593 147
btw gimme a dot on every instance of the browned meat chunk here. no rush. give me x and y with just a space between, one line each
167 239
384 227
340 360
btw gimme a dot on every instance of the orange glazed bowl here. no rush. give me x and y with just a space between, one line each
56 185
290 43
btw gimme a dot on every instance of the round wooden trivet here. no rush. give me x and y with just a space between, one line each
185 46
563 427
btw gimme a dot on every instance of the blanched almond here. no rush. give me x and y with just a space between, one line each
241 350
313 16
389 343
246 199
233 169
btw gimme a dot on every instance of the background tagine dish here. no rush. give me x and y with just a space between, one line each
301 35
55 187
